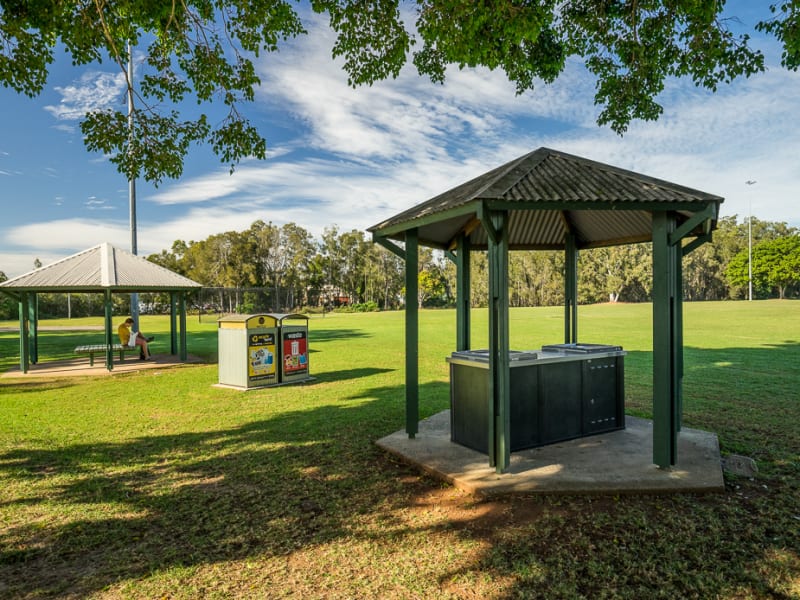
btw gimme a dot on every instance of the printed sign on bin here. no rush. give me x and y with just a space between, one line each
295 353
261 354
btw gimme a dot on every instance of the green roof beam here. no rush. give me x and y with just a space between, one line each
704 216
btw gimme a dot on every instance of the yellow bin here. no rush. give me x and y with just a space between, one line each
248 350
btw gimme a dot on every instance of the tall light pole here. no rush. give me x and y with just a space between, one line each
750 182
132 186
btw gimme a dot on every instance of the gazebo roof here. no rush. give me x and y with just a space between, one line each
98 269
549 194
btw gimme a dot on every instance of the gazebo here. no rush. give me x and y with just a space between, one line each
102 269
548 200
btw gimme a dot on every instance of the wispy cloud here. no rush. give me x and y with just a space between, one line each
386 147
360 156
72 234
94 203
93 91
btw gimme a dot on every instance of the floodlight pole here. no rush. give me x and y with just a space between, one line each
750 243
132 186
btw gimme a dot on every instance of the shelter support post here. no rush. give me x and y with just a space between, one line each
410 254
677 332
33 327
109 331
668 370
412 332
496 224
666 357
182 309
463 299
570 290
173 323
24 340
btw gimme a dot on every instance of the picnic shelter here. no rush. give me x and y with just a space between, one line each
551 200
102 269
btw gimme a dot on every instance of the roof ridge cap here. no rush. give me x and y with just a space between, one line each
107 265
543 153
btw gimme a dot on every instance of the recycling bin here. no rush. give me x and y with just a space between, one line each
293 332
248 350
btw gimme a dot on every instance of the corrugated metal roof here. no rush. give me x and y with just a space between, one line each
100 268
548 194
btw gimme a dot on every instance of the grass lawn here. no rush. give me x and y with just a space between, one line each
157 485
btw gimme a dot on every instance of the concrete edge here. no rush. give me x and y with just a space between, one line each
699 470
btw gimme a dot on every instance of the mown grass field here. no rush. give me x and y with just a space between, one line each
158 485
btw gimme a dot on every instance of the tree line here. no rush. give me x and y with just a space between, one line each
281 268
278 268
286 268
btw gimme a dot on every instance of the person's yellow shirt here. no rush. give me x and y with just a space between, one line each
124 334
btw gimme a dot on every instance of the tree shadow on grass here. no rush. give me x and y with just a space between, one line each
330 335
304 479
31 386
127 509
743 542
348 374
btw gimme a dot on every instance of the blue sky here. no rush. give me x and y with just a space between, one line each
352 158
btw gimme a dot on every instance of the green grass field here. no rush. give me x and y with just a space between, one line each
157 485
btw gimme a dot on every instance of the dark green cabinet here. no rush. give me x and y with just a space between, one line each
555 395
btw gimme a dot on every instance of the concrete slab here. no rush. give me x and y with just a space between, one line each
619 462
79 367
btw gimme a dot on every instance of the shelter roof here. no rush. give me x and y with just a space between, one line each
100 268
549 194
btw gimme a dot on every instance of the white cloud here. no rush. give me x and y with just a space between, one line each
67 233
360 156
373 152
93 91
17 263
98 204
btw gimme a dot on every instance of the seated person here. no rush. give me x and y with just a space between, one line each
134 338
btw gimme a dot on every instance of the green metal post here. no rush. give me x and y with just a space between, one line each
173 329
678 335
109 328
463 299
570 290
665 432
412 333
33 327
182 310
499 369
24 340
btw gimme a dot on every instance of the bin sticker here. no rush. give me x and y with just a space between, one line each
261 356
295 353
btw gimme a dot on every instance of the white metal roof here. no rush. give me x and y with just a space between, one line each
98 269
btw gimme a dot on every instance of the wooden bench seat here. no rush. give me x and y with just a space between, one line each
93 349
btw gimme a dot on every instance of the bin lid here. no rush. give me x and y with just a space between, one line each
247 321
281 317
